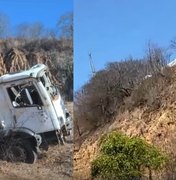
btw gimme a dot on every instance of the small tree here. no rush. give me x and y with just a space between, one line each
157 58
126 158
30 31
65 26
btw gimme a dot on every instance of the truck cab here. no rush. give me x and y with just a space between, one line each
30 104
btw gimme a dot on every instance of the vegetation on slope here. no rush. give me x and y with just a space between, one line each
122 157
121 85
134 96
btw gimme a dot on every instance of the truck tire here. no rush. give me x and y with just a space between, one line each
21 151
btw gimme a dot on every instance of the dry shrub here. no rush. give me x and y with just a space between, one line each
104 95
120 86
148 92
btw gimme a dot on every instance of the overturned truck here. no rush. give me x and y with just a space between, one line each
32 114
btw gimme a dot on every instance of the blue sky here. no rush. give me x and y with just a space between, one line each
45 11
114 29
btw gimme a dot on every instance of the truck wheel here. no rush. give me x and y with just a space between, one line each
21 151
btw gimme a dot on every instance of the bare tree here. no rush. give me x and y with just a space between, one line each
23 30
65 26
50 33
30 31
36 29
173 43
157 58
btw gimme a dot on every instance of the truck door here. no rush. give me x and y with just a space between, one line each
27 108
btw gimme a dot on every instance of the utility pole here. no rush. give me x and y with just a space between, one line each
92 64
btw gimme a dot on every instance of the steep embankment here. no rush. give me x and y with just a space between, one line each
157 126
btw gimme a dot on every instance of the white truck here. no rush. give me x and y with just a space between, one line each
32 114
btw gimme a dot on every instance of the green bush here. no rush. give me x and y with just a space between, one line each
125 158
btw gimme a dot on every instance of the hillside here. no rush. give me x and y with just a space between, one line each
20 54
153 121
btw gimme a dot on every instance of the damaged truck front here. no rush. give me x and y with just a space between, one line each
32 114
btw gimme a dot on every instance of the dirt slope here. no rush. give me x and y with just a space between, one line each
157 126
56 163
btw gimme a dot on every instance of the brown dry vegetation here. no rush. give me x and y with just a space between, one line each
56 164
140 107
19 54
155 124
